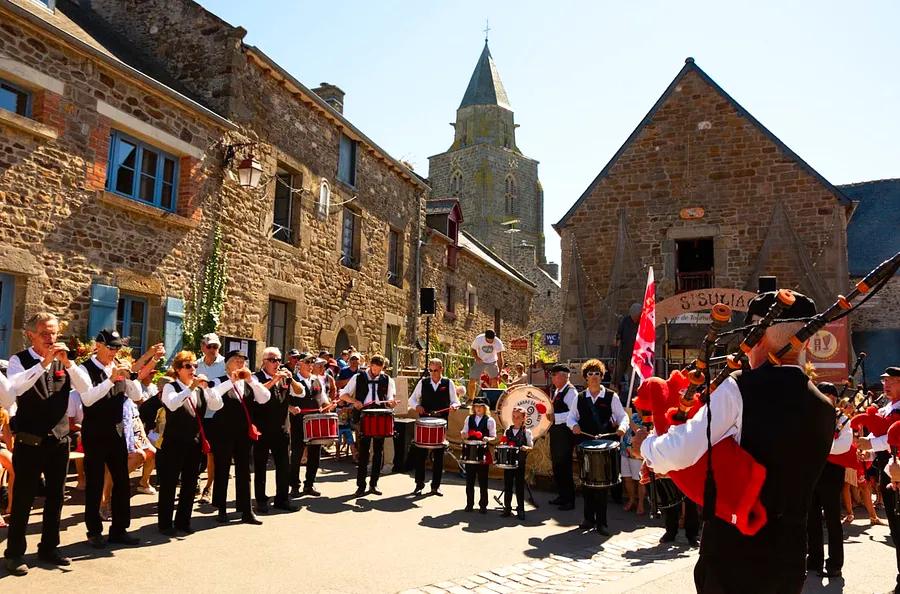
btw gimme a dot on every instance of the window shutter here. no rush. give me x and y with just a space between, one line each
104 305
174 327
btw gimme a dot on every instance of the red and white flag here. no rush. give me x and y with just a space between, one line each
643 355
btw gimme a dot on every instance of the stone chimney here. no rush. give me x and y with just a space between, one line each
332 95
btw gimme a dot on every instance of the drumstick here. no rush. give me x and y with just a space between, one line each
443 410
310 410
601 436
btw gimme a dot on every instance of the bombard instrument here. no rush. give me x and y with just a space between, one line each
243 374
721 315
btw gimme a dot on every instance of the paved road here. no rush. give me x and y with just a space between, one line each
340 543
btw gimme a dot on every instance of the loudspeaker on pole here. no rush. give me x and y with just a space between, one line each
426 301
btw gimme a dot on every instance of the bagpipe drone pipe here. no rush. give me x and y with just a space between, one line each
726 480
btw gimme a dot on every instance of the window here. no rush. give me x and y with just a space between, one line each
456 183
48 3
395 256
510 194
471 301
347 161
14 99
278 322
131 322
141 172
350 239
324 199
283 219
694 264
451 300
391 344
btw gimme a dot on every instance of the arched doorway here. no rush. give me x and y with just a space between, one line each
342 342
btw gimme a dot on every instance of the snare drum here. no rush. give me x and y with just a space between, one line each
506 457
320 429
377 422
665 493
474 451
600 463
431 433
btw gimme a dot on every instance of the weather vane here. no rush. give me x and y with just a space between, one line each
487 29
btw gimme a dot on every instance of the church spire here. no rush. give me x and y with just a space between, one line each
485 87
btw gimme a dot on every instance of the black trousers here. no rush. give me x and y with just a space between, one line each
437 466
691 519
377 445
230 446
479 471
561 444
102 452
514 482
826 501
276 442
595 506
723 574
298 446
177 461
51 459
888 496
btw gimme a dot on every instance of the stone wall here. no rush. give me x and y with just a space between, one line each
881 312
766 213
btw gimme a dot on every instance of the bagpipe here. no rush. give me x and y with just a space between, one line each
727 480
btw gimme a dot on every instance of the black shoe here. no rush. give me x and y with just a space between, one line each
186 529
482 510
222 516
295 492
97 541
507 513
666 538
123 538
16 566
468 508
262 508
830 573
54 558
374 490
436 491
360 491
169 531
520 514
311 491
250 518
693 543
587 526
567 507
286 506
602 531
557 501
417 492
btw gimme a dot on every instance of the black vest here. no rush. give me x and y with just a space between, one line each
181 427
595 417
102 417
362 387
515 440
559 403
230 419
482 426
270 418
787 426
433 400
42 408
311 394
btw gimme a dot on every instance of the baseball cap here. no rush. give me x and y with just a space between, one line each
235 353
109 338
211 338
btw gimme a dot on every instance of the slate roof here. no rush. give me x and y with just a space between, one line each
480 251
690 66
485 87
872 230
440 205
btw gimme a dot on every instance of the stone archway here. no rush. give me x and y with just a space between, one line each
342 341
343 332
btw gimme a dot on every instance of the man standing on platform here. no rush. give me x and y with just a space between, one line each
487 351
562 441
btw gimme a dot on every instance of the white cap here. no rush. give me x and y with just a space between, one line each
211 338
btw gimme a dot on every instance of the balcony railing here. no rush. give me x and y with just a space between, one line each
692 281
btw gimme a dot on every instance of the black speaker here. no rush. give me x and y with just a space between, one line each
767 283
426 300
404 434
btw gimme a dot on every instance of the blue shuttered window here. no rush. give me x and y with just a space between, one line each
173 332
104 305
141 172
131 322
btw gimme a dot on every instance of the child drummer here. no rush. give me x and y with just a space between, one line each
479 425
514 478
432 397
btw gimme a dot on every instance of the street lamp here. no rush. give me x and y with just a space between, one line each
249 172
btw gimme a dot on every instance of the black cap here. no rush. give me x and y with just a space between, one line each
557 367
828 389
481 400
234 353
891 372
803 307
293 353
109 338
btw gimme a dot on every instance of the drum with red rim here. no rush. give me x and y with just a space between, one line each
320 429
431 433
376 422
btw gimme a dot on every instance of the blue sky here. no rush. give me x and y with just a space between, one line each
823 76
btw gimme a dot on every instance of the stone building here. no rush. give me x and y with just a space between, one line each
871 239
498 188
124 124
712 200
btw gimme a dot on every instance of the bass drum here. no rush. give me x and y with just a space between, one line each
534 400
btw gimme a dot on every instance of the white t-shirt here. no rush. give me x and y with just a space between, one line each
488 350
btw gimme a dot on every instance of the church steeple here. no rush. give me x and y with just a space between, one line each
485 87
484 116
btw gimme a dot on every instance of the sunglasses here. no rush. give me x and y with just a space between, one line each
592 373
189 366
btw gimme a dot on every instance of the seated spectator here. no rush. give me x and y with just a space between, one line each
141 454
